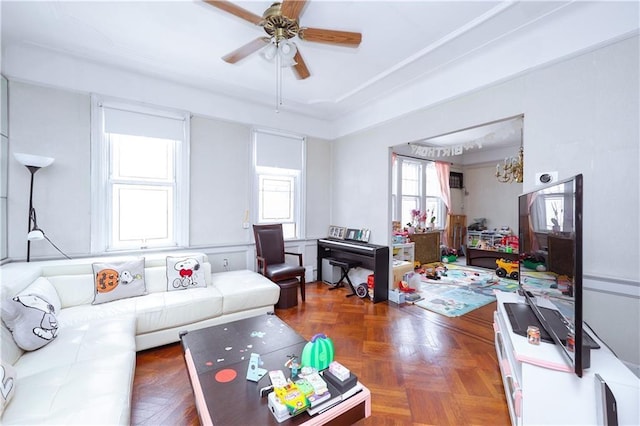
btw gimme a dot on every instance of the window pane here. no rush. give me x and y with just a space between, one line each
289 230
433 184
434 209
276 199
554 209
142 213
408 204
411 178
138 157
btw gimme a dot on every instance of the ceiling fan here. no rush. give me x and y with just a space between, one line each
280 22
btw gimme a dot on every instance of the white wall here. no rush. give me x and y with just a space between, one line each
220 182
581 116
52 123
56 123
490 199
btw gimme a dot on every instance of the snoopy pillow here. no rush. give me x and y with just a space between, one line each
118 280
31 320
184 272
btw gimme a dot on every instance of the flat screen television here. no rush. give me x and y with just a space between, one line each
550 246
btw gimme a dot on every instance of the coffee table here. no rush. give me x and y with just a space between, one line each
217 359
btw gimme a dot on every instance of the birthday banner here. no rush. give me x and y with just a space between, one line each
441 151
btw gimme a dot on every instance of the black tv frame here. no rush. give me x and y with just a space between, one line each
579 358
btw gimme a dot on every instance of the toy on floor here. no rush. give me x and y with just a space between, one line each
507 268
564 284
403 286
431 273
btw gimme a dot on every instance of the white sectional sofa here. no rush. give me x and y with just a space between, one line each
85 374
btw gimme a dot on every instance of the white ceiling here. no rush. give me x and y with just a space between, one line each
405 45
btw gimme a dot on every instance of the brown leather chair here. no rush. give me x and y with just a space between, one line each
271 257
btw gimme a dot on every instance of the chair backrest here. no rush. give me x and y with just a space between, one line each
269 242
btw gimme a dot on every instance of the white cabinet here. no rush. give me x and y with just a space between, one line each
542 390
404 252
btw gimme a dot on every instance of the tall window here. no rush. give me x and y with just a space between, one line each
140 173
415 184
278 161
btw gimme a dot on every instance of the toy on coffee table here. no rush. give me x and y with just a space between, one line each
318 353
292 398
254 371
293 364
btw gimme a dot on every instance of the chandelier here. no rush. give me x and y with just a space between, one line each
512 169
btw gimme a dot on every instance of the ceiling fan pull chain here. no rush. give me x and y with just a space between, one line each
278 83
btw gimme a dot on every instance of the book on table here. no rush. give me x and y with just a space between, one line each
336 396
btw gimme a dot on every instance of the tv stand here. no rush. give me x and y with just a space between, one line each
541 388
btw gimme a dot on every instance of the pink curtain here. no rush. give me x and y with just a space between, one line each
443 176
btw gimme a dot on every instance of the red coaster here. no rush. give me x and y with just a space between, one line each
226 375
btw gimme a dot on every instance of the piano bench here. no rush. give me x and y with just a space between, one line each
345 266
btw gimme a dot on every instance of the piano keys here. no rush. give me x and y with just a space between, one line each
371 256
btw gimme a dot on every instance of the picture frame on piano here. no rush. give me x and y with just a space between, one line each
352 234
337 232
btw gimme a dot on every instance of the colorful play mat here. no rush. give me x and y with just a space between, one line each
461 289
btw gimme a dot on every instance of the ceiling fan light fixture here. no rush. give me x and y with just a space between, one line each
269 52
286 49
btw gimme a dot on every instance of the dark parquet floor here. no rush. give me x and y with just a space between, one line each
421 368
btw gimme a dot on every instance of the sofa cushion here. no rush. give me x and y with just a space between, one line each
83 377
90 392
11 352
31 319
7 384
118 280
185 272
243 290
153 312
93 339
43 288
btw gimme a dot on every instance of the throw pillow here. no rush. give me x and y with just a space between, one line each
42 287
184 272
31 320
118 280
7 384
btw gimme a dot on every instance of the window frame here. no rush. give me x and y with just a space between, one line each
298 177
101 195
423 198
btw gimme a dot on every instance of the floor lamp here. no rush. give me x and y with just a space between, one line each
33 163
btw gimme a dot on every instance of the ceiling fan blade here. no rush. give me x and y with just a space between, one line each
246 50
345 38
236 10
292 8
300 68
